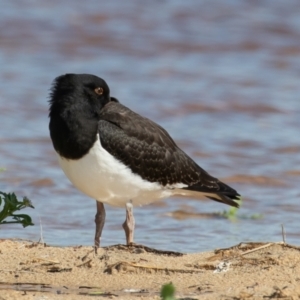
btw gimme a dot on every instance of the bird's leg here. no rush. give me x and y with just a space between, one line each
129 223
99 220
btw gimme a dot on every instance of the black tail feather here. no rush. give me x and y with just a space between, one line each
218 191
226 199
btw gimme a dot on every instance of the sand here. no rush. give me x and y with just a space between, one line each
247 271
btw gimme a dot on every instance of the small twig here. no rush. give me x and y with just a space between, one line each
258 248
23 245
48 260
119 265
261 247
19 271
254 250
283 233
85 263
85 256
41 227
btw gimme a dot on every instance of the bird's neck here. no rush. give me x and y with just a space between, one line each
72 132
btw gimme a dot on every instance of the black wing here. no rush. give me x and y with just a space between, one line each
149 151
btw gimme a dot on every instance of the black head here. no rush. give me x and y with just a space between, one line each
86 91
76 101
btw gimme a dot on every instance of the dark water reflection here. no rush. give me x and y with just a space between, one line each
221 77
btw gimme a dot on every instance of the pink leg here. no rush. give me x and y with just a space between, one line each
129 223
99 220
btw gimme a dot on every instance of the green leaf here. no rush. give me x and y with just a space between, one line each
10 204
231 213
167 292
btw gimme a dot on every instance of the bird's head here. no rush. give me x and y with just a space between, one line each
84 92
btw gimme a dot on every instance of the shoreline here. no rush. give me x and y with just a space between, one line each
31 270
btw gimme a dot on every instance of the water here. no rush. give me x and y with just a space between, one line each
222 78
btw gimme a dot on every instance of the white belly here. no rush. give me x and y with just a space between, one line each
99 175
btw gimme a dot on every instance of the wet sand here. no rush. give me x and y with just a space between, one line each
246 271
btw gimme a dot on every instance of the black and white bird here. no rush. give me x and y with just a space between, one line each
118 157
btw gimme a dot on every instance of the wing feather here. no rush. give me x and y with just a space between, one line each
148 150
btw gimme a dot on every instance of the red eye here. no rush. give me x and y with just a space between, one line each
98 90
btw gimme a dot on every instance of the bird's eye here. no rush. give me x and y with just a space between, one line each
98 90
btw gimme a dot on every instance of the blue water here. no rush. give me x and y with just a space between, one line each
221 77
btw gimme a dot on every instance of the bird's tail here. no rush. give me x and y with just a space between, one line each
220 192
229 199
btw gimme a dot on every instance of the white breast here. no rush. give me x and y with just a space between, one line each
101 176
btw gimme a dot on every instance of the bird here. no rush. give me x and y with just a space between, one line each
118 157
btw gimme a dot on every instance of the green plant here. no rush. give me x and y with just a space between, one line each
167 292
231 213
10 205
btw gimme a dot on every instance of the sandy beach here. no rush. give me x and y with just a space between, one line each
31 270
